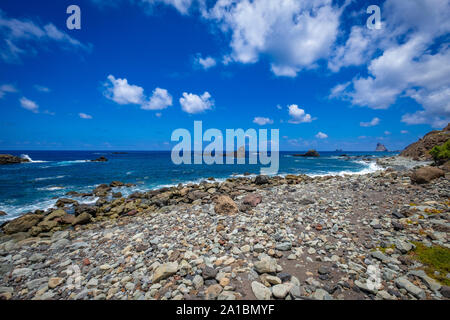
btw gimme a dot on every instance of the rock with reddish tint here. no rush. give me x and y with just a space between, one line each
252 200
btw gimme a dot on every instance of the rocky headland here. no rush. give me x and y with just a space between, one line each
10 159
382 236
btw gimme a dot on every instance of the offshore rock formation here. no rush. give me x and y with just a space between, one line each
381 147
10 159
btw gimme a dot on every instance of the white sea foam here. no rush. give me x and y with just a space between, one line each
70 162
27 157
14 211
49 178
51 188
370 167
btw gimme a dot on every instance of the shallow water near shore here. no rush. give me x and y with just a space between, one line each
51 174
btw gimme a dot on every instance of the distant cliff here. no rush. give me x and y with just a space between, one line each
420 150
381 147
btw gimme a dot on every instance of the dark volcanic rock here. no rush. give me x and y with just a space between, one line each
261 180
310 153
9 159
101 159
381 148
2 213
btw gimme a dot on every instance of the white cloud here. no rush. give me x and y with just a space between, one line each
119 91
404 132
160 99
356 51
205 63
413 61
293 34
388 133
6 88
20 37
192 103
298 115
262 121
375 121
29 105
85 116
279 107
321 135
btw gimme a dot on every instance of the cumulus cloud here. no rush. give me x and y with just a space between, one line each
298 115
29 105
192 103
294 34
375 121
121 92
160 99
20 37
262 121
205 63
6 88
405 59
84 116
321 135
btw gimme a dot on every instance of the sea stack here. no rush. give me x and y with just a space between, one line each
381 147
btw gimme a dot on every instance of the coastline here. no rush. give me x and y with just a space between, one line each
245 238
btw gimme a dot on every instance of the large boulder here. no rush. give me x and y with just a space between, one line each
426 174
82 219
259 180
225 205
22 224
10 159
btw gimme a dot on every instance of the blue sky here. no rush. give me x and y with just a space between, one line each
137 70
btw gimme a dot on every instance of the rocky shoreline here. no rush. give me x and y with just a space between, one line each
293 237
